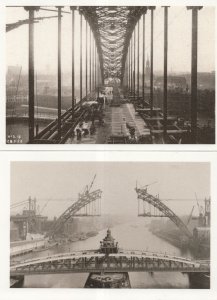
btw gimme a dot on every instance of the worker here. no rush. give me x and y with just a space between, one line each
186 136
92 114
92 129
79 129
85 130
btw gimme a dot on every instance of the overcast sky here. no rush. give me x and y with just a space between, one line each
179 49
64 180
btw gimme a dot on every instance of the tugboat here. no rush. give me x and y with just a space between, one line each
108 279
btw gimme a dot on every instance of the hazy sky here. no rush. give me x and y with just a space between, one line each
64 180
179 48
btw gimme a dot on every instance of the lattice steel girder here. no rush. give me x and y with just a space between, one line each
116 25
72 263
143 195
83 200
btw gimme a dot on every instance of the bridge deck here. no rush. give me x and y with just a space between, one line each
118 118
93 261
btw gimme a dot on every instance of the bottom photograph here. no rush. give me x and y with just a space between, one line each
110 225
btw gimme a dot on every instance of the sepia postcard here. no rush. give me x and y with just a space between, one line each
110 74
128 225
108 150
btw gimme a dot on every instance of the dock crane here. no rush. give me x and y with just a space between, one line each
190 216
200 208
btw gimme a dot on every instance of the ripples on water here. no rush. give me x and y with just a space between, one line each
129 236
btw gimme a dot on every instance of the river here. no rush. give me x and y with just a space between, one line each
134 235
18 132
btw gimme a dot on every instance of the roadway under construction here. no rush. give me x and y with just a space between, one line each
114 108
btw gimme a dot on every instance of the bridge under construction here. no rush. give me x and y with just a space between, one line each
109 258
115 104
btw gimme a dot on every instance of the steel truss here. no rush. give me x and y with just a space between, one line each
155 202
84 199
125 261
112 27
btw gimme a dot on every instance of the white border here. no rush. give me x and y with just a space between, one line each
55 294
97 147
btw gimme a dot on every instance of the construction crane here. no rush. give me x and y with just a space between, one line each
84 199
87 189
190 216
92 183
145 186
200 208
45 205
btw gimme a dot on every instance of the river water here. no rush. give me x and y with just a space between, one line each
20 132
133 235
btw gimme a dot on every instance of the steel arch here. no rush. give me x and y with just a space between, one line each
145 196
83 200
93 261
112 27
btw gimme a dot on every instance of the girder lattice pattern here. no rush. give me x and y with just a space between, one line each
112 27
145 196
84 199
92 261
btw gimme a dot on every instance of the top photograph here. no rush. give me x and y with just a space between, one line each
110 75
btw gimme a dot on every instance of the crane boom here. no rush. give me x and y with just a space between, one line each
190 216
92 183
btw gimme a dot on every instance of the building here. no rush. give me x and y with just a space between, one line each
27 222
202 234
174 82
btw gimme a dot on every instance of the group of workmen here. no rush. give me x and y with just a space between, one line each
95 113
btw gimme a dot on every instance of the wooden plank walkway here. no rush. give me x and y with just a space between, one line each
117 121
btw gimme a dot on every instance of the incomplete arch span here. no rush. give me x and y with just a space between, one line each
71 211
155 202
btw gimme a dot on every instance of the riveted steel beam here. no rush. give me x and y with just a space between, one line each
155 202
